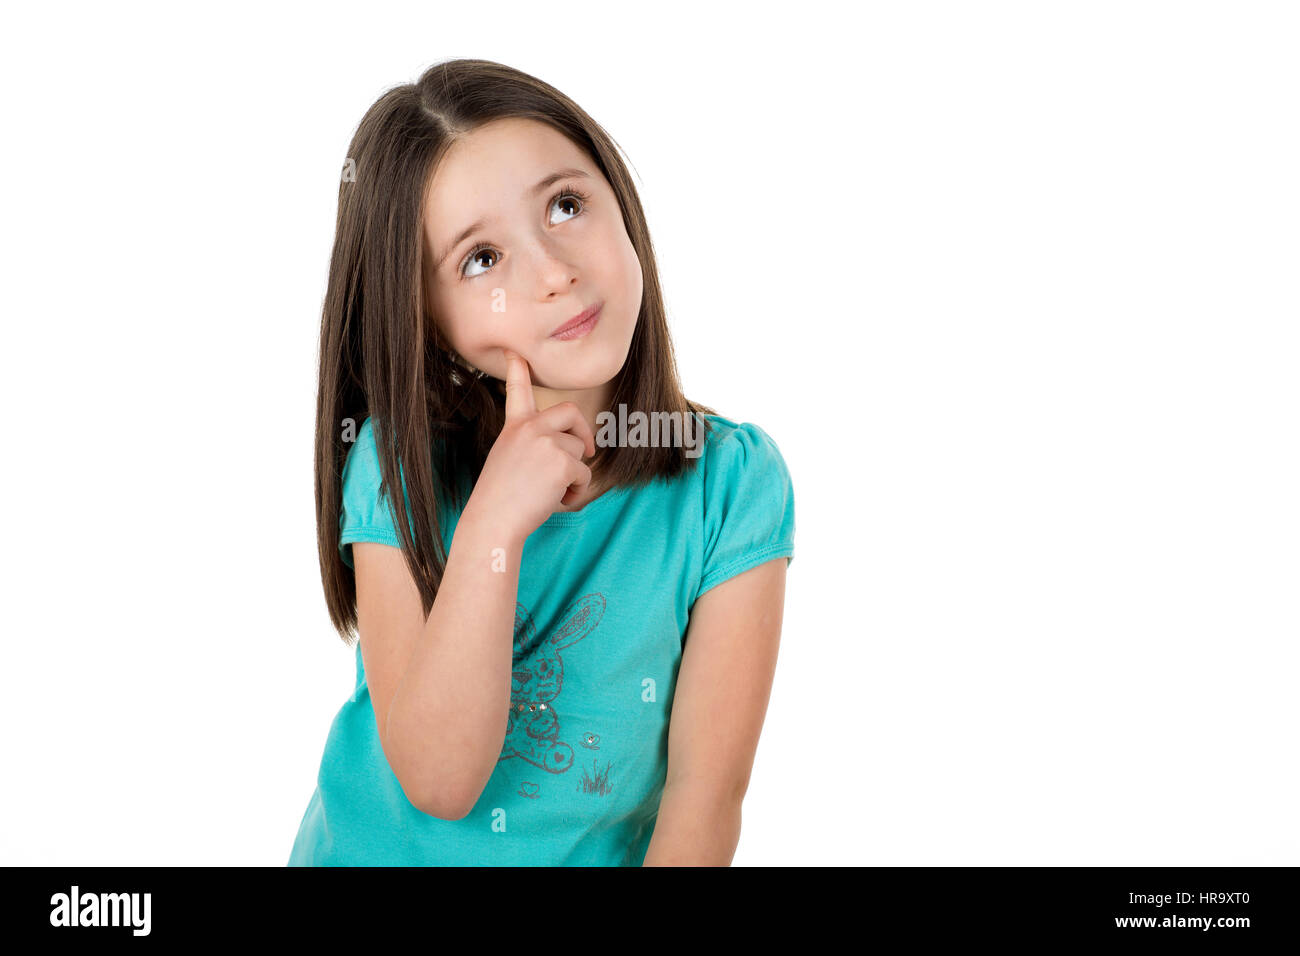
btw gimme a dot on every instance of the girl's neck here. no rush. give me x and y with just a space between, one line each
591 401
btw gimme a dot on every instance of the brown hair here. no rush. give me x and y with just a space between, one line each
381 357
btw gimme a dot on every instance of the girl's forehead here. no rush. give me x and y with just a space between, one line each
503 154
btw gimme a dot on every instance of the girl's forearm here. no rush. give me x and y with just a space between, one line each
448 715
695 827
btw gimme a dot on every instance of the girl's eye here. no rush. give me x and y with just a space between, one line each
481 249
570 197
567 197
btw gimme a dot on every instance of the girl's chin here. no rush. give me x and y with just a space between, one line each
571 382
575 375
571 385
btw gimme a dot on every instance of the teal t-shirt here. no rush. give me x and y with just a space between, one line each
604 600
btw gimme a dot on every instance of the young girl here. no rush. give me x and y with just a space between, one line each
565 652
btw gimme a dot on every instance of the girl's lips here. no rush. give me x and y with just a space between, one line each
582 328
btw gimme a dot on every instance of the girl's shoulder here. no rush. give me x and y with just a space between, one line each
747 514
742 463
361 457
735 443
363 442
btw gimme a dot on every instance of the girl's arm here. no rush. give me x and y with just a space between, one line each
441 687
719 704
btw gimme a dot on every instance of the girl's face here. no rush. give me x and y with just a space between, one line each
522 234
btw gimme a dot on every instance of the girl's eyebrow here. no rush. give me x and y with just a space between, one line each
471 229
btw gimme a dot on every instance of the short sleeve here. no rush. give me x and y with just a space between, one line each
748 506
365 516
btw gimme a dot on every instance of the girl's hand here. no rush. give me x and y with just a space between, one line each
536 462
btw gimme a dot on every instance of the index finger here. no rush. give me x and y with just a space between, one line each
519 387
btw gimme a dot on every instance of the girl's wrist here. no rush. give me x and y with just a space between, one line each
490 524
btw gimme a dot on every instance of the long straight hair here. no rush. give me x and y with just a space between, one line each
381 354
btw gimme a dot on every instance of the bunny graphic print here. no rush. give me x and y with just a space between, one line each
603 606
533 728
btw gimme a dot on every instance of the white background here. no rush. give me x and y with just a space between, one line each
1012 285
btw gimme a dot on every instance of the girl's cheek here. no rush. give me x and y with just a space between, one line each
632 270
488 343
